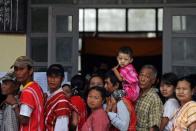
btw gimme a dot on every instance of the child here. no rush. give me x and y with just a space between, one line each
98 119
167 88
9 87
127 74
73 94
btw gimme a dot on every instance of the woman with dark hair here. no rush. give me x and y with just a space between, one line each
185 117
96 80
167 88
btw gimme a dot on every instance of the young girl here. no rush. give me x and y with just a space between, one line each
9 87
126 73
167 88
98 119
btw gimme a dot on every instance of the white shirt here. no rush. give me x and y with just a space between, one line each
120 119
25 110
61 123
170 107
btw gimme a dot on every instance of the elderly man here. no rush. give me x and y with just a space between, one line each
149 106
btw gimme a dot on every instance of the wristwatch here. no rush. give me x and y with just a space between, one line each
14 105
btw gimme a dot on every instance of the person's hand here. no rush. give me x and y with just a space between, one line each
11 100
109 105
115 67
114 104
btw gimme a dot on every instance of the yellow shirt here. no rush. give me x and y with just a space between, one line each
185 116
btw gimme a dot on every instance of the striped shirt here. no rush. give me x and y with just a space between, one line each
32 95
185 116
56 106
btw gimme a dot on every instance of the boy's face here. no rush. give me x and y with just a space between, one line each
123 59
54 82
8 87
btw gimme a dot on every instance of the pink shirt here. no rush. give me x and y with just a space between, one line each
97 121
130 82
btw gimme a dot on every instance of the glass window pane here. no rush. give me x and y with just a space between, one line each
183 50
111 20
81 18
52 1
63 24
183 70
160 19
184 24
63 49
141 20
39 23
68 69
181 1
39 49
142 1
89 20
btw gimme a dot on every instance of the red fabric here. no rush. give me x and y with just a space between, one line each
133 118
57 105
33 96
79 103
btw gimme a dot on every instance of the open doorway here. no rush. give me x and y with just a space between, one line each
104 31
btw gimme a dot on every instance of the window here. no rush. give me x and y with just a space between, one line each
121 20
141 20
111 20
87 20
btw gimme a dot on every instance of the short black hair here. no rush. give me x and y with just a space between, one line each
169 78
126 50
78 82
113 79
193 78
56 69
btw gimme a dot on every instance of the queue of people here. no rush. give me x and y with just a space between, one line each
122 100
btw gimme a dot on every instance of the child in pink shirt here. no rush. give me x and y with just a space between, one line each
126 73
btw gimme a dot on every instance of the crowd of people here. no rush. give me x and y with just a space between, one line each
120 100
